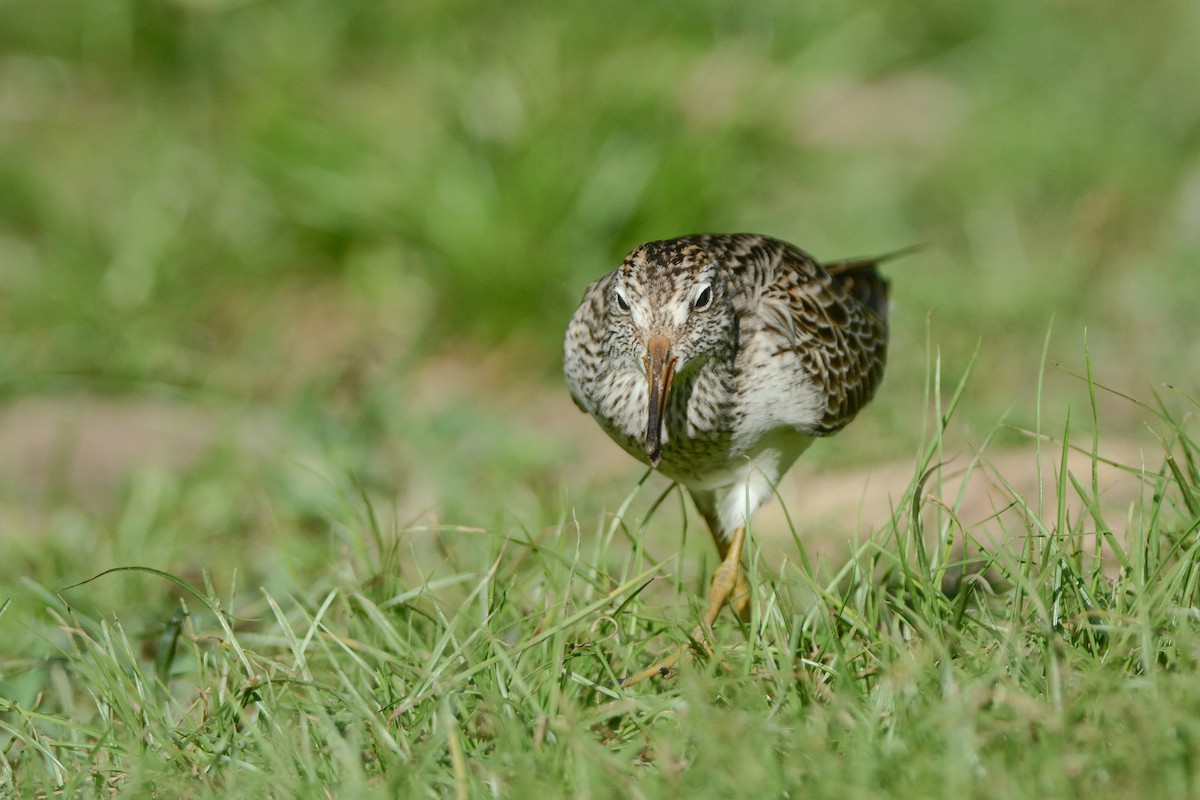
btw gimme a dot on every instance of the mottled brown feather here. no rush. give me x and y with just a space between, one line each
835 321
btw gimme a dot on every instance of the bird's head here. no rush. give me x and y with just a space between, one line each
669 312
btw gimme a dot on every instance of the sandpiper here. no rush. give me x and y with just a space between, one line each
717 359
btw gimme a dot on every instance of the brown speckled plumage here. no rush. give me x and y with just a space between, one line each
756 347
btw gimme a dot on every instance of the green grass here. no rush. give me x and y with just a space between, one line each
484 662
282 287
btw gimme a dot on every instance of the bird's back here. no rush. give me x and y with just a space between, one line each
828 325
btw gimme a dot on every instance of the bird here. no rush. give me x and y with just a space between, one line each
717 359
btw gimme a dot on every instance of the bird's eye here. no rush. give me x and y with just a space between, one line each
622 302
705 298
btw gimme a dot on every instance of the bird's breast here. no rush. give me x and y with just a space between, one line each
698 427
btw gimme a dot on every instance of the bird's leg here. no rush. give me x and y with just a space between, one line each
728 585
739 598
739 594
728 581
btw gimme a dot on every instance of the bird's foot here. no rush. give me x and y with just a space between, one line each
728 586
739 600
663 669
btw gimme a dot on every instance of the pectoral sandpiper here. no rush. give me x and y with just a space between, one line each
716 359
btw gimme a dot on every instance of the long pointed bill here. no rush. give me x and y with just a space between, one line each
660 368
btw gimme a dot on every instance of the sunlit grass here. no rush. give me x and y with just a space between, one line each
488 665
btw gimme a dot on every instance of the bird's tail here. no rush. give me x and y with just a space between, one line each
862 281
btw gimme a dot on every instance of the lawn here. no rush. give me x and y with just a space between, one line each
294 503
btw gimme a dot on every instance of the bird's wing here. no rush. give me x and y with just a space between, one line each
839 331
583 344
836 324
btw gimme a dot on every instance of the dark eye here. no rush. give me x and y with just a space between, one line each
622 302
704 299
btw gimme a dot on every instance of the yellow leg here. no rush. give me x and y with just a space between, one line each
739 594
739 598
728 585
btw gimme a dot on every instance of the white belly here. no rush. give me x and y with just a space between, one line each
744 487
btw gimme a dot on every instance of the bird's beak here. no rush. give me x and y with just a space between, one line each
660 368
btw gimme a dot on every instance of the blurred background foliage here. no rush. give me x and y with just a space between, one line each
303 210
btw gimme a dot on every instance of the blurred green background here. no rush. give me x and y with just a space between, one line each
256 257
